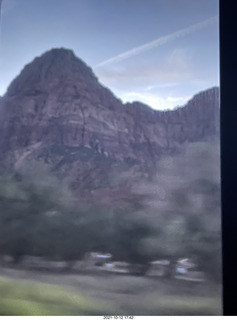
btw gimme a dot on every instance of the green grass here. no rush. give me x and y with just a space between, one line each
26 298
98 294
170 305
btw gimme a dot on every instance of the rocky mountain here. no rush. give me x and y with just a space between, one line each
56 112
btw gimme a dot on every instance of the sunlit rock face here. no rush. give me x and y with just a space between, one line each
58 113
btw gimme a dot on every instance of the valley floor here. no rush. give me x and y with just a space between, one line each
24 292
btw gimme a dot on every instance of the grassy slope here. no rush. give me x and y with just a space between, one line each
106 294
22 298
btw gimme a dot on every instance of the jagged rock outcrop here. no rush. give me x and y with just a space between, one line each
56 111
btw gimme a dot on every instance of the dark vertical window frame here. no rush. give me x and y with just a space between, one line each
228 84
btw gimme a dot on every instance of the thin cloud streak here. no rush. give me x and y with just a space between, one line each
159 42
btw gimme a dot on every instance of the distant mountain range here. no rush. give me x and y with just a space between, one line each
57 113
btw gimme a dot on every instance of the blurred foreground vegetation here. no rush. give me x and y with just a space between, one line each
176 215
103 294
22 299
179 216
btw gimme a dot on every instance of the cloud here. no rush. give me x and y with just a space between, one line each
163 83
155 101
177 99
159 42
170 70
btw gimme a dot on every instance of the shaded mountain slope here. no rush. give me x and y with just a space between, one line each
57 112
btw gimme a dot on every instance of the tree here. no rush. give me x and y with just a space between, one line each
25 207
129 234
192 196
37 219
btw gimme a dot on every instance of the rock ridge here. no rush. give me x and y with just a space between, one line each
57 103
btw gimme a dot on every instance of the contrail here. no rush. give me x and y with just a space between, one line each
159 42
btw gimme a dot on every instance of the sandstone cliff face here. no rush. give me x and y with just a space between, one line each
58 112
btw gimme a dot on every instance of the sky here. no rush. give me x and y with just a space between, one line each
159 52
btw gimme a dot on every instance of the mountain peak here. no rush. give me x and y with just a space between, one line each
59 51
48 70
57 54
56 112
